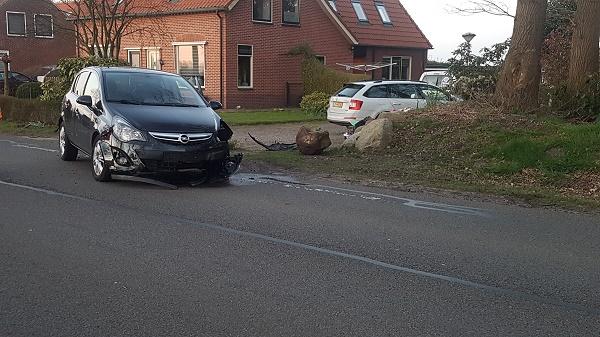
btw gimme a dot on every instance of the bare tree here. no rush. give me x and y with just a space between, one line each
584 43
100 25
491 7
519 82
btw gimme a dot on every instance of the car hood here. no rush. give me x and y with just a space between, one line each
166 118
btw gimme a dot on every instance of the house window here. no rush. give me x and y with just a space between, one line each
332 4
399 68
191 63
261 10
134 58
383 14
320 58
245 66
44 25
291 11
153 59
16 23
360 12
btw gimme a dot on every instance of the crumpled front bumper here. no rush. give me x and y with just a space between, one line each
154 156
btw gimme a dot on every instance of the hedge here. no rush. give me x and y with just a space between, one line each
29 90
28 110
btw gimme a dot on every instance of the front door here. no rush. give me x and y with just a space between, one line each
87 116
153 60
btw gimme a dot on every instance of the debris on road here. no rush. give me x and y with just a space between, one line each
275 147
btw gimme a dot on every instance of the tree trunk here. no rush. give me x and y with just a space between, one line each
584 44
519 82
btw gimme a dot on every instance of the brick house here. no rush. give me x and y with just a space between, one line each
34 35
237 50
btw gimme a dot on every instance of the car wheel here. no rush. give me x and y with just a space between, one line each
67 151
100 169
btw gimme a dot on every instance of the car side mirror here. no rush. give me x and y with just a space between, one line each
215 105
85 100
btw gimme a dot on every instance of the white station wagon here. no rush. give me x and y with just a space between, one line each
359 100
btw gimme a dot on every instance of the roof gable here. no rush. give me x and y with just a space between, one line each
402 32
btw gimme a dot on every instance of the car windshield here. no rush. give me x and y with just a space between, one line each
438 80
150 89
349 90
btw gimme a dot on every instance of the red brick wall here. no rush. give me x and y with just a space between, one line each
272 66
165 30
30 53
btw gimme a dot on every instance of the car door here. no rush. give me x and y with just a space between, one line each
376 101
87 115
433 95
404 96
76 135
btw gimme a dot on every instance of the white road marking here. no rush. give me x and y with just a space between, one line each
27 146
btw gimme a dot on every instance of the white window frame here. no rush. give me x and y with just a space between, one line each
409 67
25 20
261 21
51 26
251 86
357 2
197 43
379 5
324 58
129 50
157 50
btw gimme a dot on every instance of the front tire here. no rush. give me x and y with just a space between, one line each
100 169
68 152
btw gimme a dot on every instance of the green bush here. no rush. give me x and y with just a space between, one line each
319 78
29 90
582 105
55 89
315 104
29 110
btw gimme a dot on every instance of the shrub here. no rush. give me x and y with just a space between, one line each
28 110
315 104
582 105
55 89
29 90
319 78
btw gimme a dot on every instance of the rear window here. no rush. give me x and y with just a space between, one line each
349 90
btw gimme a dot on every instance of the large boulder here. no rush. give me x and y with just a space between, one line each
350 142
312 142
375 136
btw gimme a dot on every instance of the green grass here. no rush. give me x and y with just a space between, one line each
540 161
266 117
28 129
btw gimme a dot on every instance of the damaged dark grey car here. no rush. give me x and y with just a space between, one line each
136 122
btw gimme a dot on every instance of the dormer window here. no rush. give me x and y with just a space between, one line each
261 10
383 14
291 10
332 4
360 12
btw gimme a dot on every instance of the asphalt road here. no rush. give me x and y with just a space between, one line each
270 255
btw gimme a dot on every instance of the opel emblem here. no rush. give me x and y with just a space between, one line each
184 139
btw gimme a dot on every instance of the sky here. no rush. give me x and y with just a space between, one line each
444 29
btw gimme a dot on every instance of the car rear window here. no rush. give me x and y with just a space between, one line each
349 90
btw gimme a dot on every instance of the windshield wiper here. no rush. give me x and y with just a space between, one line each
125 101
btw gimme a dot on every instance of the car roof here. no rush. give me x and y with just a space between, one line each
387 82
128 70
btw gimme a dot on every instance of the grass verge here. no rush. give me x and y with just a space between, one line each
234 118
28 129
542 161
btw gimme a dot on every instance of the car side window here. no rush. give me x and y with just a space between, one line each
81 81
378 91
92 88
404 91
433 93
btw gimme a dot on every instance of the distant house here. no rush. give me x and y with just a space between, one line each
34 35
237 50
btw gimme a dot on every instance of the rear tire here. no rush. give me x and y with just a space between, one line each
100 169
67 151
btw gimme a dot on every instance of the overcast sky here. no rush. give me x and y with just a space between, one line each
445 29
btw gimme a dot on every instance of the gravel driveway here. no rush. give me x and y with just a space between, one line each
282 133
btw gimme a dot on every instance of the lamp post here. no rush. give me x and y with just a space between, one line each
469 37
6 60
